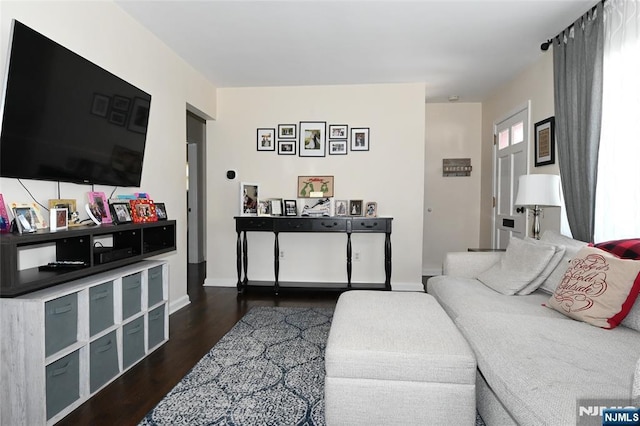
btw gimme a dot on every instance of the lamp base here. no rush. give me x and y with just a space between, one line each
536 222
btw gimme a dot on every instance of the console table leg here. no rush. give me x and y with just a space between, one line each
239 261
276 261
349 260
387 261
245 261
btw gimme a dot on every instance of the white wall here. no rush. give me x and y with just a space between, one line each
391 173
535 83
107 36
452 204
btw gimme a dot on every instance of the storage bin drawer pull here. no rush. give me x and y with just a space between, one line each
156 274
100 295
134 330
61 370
105 348
154 316
63 309
132 286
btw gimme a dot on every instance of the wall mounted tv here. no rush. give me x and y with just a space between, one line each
67 119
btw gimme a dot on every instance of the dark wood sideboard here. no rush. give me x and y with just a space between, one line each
339 224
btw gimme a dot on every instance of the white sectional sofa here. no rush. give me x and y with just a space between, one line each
535 363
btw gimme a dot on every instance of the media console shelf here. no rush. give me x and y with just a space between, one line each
125 244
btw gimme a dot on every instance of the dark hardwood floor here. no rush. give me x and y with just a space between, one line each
193 331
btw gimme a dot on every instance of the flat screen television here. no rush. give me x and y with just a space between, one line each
67 119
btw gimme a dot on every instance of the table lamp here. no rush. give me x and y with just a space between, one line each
535 192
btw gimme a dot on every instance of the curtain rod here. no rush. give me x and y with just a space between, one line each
545 45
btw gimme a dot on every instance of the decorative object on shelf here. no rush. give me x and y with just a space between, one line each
321 208
338 147
315 186
140 195
28 217
161 211
456 167
58 219
355 207
121 211
545 147
263 207
94 213
342 208
286 147
64 203
312 138
249 193
266 140
371 209
535 192
290 208
143 211
338 131
100 200
275 206
5 223
360 139
286 131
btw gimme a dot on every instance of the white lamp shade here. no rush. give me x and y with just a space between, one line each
538 190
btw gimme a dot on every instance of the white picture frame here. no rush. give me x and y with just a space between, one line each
249 197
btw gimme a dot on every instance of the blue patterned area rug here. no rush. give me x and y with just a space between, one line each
267 370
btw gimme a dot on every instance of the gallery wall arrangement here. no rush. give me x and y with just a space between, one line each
311 139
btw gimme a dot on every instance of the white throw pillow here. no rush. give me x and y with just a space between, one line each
522 263
551 266
572 247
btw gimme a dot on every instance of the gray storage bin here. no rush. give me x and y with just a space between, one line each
132 342
103 360
131 295
62 383
156 326
100 307
60 323
155 285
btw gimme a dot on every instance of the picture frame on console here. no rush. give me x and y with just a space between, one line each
100 200
355 207
371 209
290 207
63 203
143 211
249 193
58 219
28 215
342 208
121 212
161 211
5 223
275 206
315 186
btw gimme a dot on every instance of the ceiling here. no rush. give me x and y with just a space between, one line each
465 48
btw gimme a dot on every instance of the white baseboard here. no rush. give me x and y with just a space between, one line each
431 272
407 287
176 305
220 282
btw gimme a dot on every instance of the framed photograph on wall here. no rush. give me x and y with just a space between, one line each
286 131
355 207
545 147
338 147
291 207
287 147
249 193
360 139
315 186
266 140
100 200
313 139
338 131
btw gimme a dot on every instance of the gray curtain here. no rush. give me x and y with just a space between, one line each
577 71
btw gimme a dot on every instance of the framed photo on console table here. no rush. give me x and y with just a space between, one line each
249 193
143 211
121 212
100 200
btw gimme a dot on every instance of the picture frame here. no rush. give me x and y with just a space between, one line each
58 219
342 208
371 209
100 200
291 207
143 211
275 206
263 208
100 105
287 131
360 139
28 217
266 139
161 211
139 118
313 139
249 195
544 142
338 131
355 207
315 186
121 212
338 147
287 147
61 203
5 222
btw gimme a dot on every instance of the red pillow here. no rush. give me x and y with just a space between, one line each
624 249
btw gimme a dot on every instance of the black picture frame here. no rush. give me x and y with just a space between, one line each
359 139
290 207
121 212
312 139
287 147
338 147
338 131
544 132
287 131
161 211
266 139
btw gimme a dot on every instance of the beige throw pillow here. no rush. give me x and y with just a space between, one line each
551 266
522 263
598 288
572 247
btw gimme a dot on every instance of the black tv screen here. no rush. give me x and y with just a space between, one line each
67 119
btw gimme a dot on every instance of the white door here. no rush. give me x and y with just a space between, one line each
511 147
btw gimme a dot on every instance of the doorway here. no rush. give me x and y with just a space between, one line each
511 148
196 188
